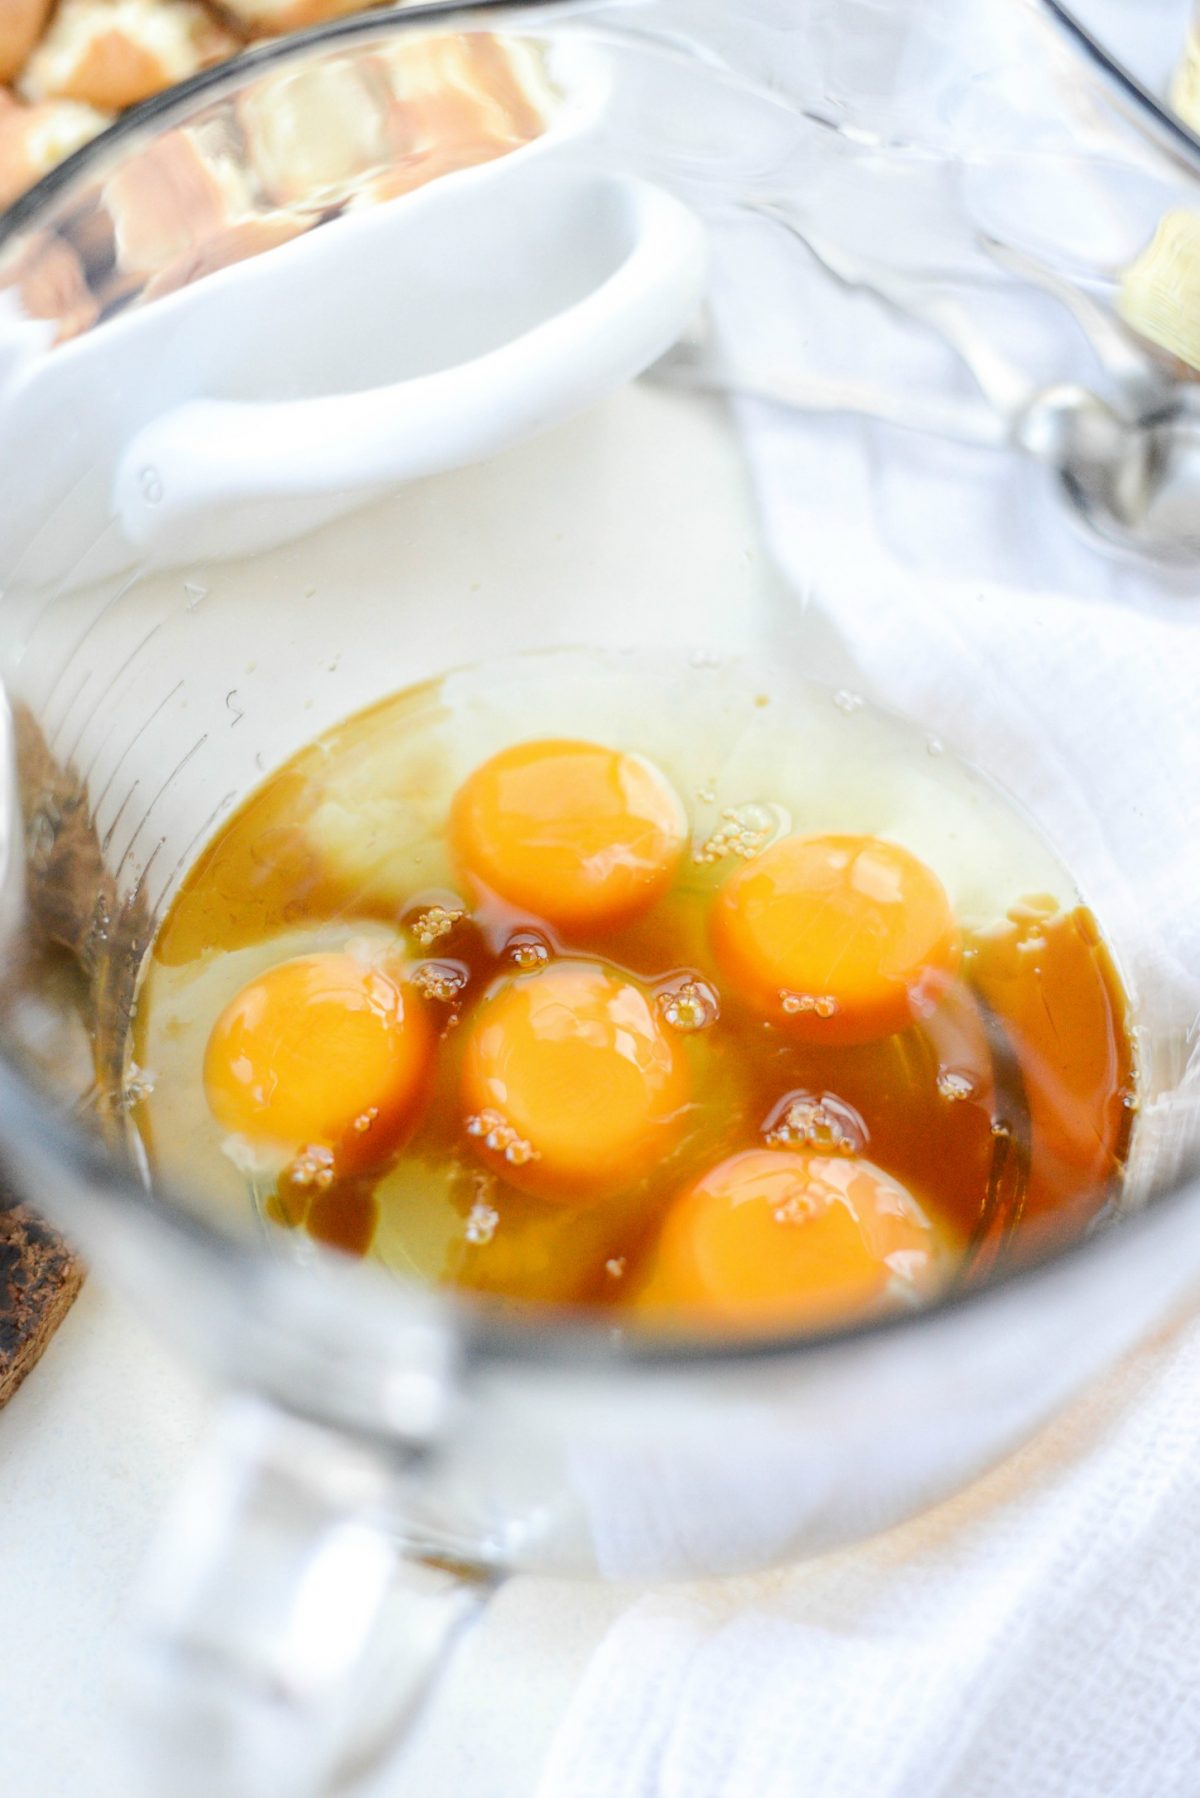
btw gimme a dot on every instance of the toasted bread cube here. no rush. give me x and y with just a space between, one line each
168 200
475 91
51 284
236 243
456 101
313 134
33 139
21 25
271 18
113 53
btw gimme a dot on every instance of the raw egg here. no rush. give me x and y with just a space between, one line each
573 1086
1051 985
580 835
321 1051
785 1238
790 1022
839 939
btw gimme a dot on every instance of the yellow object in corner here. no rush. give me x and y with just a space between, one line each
1159 295
1185 88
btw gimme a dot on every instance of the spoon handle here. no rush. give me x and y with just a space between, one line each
960 421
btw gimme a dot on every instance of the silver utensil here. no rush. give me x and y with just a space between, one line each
1129 470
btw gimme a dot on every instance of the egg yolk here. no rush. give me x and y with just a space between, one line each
321 1051
573 1086
583 836
1052 987
783 1238
838 939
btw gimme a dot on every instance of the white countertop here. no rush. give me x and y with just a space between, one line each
90 1447
93 1443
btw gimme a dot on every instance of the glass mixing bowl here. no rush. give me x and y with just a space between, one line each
428 337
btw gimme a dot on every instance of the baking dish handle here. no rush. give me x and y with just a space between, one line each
224 477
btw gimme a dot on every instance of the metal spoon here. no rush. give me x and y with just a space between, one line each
1130 475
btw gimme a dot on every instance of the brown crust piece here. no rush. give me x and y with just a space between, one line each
39 1278
34 138
52 285
456 102
460 89
250 237
112 53
269 18
313 134
21 24
169 200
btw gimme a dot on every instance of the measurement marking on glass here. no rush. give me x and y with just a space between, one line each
175 772
185 855
48 524
139 733
73 702
150 860
107 838
97 617
129 659
103 695
73 751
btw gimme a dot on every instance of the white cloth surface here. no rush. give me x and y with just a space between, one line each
1041 1633
90 1449
1085 1687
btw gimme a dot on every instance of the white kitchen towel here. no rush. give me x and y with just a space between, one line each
1038 1635
1041 1633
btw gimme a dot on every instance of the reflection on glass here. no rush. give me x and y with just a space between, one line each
289 152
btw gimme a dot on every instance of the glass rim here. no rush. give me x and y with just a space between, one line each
1155 117
577 1337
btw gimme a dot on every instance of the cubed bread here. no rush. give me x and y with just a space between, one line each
34 138
113 53
171 198
456 101
270 18
467 90
314 133
21 24
51 284
235 243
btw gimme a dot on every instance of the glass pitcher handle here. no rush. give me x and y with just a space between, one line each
285 1633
